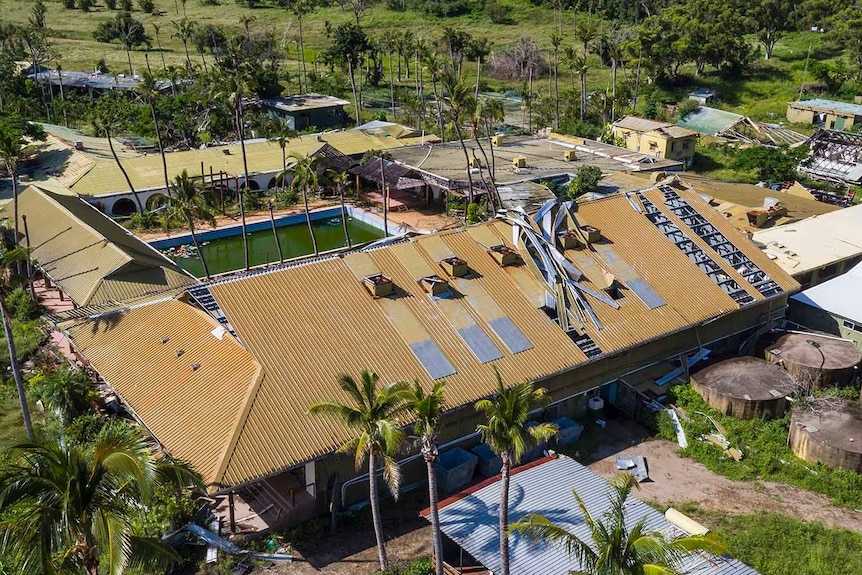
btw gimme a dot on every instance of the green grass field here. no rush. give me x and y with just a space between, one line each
774 544
762 92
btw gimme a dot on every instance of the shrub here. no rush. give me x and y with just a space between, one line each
69 4
21 305
251 201
447 8
147 6
126 5
473 213
111 4
498 13
585 181
286 197
85 5
66 391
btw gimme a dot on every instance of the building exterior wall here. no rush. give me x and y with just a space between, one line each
318 117
821 274
799 115
821 320
681 149
827 119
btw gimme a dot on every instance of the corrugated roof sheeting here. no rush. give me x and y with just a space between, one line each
192 412
89 256
331 314
472 521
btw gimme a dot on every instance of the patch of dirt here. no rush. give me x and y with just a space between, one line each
678 479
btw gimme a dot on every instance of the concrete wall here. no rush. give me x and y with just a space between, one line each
655 145
820 320
739 407
826 119
821 274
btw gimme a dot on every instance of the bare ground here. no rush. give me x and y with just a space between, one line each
673 479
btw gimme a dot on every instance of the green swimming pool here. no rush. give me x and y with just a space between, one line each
226 254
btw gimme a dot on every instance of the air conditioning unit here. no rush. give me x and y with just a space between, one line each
593 234
475 163
455 267
519 162
504 255
569 239
570 156
497 140
434 284
378 285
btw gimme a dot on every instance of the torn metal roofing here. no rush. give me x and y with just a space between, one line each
544 487
92 258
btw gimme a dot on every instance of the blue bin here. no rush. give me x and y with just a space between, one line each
570 430
489 462
455 469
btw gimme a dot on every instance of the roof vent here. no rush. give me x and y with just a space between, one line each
435 285
593 234
504 255
166 339
570 240
455 266
570 155
378 285
179 352
195 366
519 162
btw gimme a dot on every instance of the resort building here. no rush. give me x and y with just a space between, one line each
659 139
304 111
835 157
825 113
91 258
818 248
91 84
832 307
579 298
729 126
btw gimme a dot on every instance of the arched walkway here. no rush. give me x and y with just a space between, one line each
156 201
124 207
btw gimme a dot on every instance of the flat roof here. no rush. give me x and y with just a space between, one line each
92 258
640 124
839 296
709 121
814 242
820 104
302 102
544 487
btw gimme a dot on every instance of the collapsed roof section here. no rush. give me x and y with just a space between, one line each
835 156
724 124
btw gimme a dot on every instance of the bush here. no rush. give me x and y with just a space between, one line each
28 336
421 566
285 197
145 221
498 13
686 107
69 4
586 181
66 391
251 201
22 307
111 4
126 5
447 8
473 213
85 5
147 6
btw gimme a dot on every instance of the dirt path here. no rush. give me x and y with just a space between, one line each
677 479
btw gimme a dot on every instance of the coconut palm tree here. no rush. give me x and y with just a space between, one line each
279 131
613 547
556 42
108 117
12 149
304 179
339 180
148 89
427 408
372 416
435 67
580 66
461 104
69 507
185 31
8 260
506 433
492 113
389 41
188 203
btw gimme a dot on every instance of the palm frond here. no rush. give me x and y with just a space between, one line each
392 475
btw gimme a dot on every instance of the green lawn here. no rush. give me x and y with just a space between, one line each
775 544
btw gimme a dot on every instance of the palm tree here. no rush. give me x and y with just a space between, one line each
185 32
304 179
492 113
435 67
586 31
506 433
461 104
279 131
12 147
149 91
8 260
570 56
390 43
189 203
580 66
157 29
556 42
108 117
613 548
373 418
300 9
428 410
69 507
340 179
477 125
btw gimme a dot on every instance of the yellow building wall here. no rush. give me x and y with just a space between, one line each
799 116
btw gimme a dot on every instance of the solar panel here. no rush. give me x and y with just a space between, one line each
513 337
645 292
479 343
432 359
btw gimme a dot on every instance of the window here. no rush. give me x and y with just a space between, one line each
673 147
653 146
852 326
686 144
829 271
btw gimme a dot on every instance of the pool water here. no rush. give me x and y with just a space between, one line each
226 254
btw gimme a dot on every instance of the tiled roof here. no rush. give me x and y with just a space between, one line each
148 355
471 520
91 257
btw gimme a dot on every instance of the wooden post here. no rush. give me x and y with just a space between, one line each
29 261
230 505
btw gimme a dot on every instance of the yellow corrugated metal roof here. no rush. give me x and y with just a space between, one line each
91 257
104 177
192 412
308 324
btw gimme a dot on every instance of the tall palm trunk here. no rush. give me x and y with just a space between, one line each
504 514
122 169
439 107
457 123
16 369
161 52
492 189
129 56
344 215
241 133
356 103
161 148
186 48
191 224
375 510
392 83
308 219
433 504
13 175
478 75
302 55
556 91
275 234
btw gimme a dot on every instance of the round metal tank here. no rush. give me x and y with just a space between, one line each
744 387
832 436
803 359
